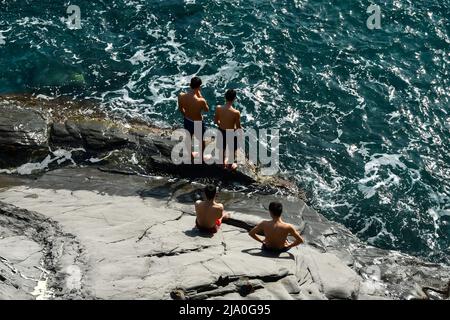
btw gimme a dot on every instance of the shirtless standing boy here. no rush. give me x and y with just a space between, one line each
191 104
228 118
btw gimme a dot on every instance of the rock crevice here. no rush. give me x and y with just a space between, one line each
45 250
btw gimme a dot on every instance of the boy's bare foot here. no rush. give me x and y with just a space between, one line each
225 165
231 167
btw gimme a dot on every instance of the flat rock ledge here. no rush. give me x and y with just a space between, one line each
82 233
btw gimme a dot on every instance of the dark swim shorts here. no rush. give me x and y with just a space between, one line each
273 250
189 126
224 141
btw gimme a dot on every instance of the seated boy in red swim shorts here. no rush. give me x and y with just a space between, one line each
209 212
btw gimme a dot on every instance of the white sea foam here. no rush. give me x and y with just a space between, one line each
41 290
96 160
44 97
60 156
139 57
371 173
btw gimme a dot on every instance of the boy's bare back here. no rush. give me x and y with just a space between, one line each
208 214
276 233
192 106
228 118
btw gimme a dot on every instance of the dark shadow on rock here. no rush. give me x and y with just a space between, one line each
194 233
160 163
159 192
238 223
190 197
164 191
261 253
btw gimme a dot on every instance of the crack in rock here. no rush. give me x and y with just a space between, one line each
445 292
244 285
56 245
173 252
144 234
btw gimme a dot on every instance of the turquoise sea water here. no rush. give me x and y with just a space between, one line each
364 114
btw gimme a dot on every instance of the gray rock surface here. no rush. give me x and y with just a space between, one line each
109 236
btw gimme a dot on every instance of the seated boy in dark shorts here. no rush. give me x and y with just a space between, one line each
209 212
276 232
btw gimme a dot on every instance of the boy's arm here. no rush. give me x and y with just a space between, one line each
238 120
254 232
216 116
298 238
179 105
225 215
205 106
196 205
221 215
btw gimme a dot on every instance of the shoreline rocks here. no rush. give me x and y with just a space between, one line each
92 208
35 130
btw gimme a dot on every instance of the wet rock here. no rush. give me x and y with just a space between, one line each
23 135
95 136
29 133
66 134
98 135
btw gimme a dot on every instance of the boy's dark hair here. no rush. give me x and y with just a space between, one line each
210 191
230 95
196 82
276 208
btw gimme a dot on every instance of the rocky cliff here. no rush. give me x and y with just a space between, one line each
92 208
